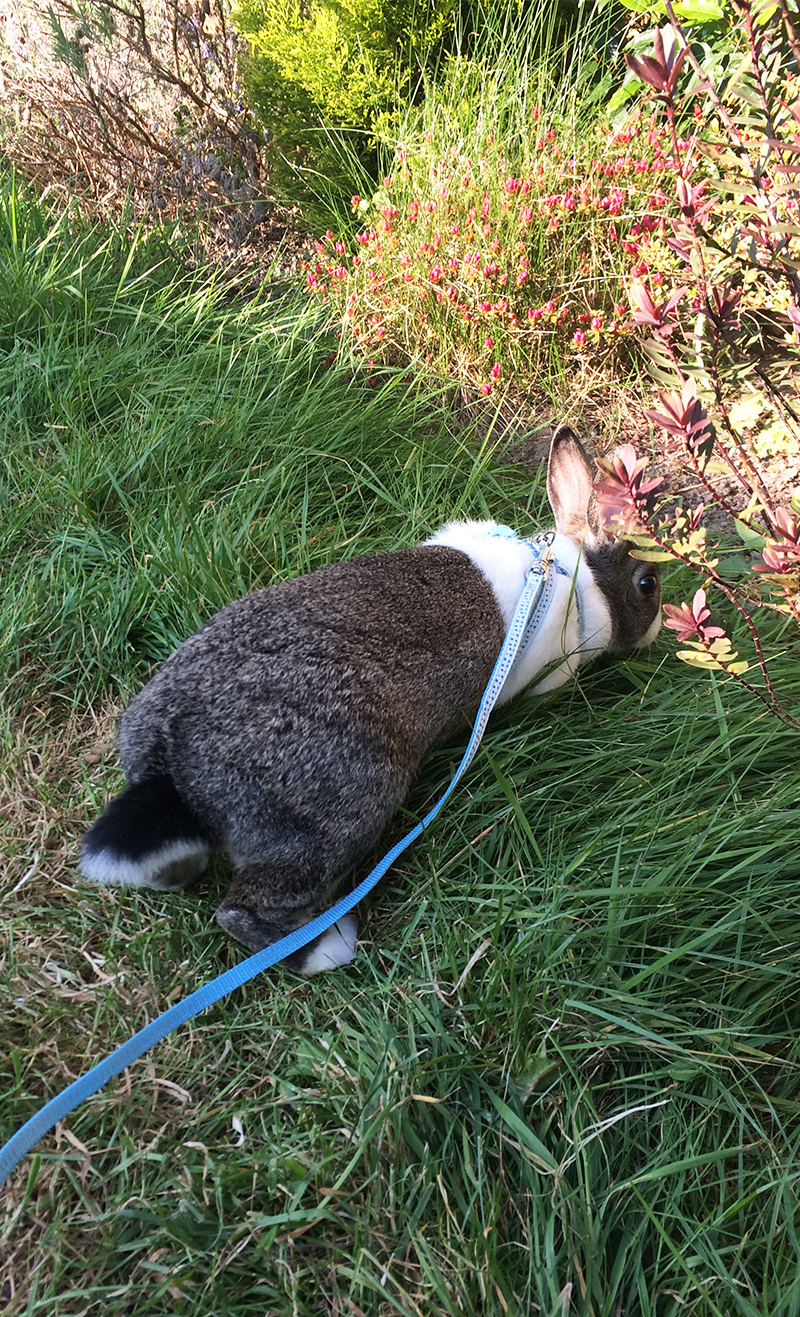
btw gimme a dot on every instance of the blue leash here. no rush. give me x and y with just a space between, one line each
531 608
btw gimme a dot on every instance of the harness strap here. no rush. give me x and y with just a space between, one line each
529 613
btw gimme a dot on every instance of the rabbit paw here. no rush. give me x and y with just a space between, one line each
336 947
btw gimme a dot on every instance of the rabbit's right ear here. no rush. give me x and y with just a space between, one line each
569 486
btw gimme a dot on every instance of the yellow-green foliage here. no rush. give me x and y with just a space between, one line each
335 60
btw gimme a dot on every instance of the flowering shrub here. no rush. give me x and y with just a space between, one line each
478 263
678 234
727 336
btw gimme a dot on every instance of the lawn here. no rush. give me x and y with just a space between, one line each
561 1075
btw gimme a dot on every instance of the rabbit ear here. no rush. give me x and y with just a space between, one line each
569 486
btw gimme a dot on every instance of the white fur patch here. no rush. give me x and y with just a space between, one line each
505 561
651 633
173 866
336 947
596 625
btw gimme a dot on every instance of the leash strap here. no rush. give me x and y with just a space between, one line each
530 610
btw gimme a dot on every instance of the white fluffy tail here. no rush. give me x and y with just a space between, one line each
147 837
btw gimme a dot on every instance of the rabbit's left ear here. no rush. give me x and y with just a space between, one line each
569 487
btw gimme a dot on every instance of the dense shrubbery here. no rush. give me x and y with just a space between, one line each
320 76
333 80
338 60
483 260
133 107
490 250
208 112
727 337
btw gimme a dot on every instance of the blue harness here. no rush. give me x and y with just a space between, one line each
530 612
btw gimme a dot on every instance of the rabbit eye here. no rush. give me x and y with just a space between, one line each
648 584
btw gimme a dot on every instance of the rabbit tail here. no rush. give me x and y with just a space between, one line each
147 837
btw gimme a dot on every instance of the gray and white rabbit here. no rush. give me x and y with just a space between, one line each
290 727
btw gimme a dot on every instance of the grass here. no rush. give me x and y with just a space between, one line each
561 1074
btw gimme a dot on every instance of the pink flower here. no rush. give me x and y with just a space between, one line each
579 338
622 495
689 622
486 389
495 371
684 416
782 555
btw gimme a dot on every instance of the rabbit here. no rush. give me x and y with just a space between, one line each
289 728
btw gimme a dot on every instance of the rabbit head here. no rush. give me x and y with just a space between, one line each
624 594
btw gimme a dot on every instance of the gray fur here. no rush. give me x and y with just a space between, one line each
620 579
293 723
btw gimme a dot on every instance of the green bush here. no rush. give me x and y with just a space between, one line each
320 75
